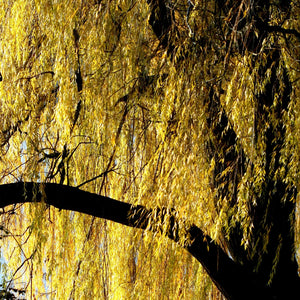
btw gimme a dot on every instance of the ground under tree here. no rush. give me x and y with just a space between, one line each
185 112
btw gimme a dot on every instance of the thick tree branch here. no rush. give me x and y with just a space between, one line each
227 275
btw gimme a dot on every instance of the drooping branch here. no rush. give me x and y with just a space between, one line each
229 276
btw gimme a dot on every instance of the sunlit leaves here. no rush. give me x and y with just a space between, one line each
140 135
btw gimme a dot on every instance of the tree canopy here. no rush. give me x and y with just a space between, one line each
186 112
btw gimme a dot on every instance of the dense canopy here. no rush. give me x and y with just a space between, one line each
187 108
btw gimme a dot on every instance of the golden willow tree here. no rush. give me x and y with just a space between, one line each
185 112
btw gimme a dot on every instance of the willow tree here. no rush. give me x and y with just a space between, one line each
180 118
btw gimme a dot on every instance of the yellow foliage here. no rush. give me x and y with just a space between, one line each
142 145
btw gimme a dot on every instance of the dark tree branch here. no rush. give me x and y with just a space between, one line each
231 278
37 75
283 30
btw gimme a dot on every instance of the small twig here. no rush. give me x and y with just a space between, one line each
37 75
96 177
190 8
